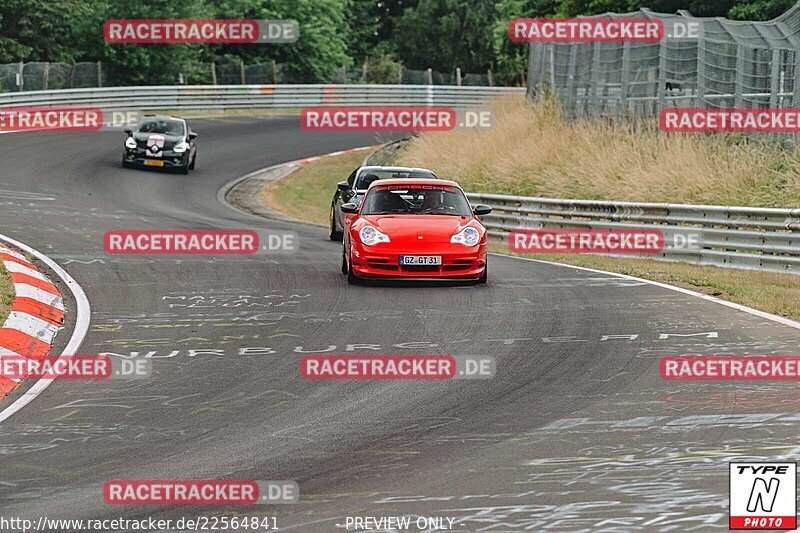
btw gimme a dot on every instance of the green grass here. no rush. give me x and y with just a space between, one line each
307 193
6 293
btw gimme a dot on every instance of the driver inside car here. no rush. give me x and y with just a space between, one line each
433 201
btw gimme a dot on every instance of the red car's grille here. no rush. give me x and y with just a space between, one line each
450 268
391 266
420 268
381 265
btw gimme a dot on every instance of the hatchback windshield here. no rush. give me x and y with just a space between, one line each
168 127
416 200
368 176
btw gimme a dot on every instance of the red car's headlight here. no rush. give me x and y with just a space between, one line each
371 235
468 236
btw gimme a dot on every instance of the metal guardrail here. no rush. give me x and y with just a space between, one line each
733 237
739 237
221 97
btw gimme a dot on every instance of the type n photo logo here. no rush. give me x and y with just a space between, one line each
763 496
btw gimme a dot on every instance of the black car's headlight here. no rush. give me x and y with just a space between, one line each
180 147
130 142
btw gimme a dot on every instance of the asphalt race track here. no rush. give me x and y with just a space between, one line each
577 432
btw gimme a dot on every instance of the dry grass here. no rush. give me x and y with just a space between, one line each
307 193
532 151
6 293
771 292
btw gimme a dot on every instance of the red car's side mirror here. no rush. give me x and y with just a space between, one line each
482 209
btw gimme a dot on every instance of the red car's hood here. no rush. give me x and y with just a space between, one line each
408 228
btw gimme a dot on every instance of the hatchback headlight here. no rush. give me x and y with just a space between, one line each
130 142
180 147
468 236
371 235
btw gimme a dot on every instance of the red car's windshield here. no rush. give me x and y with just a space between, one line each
416 200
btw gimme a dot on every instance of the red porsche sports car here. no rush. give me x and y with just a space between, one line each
414 229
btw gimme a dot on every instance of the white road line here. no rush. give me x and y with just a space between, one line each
755 312
223 191
82 318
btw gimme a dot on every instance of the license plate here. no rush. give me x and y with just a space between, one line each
152 163
420 259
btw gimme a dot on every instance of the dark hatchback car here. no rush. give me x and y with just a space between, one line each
352 190
161 142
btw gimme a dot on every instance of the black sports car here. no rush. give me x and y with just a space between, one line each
353 189
161 142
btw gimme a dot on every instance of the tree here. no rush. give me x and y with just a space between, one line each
39 30
141 64
320 50
760 9
445 34
511 59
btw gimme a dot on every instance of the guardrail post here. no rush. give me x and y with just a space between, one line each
458 76
400 75
429 74
490 77
274 72
662 74
99 74
213 73
796 85
241 71
20 77
531 71
625 78
46 75
701 72
570 100
774 80
737 99
594 85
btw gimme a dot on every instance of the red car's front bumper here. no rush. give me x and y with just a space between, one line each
381 261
